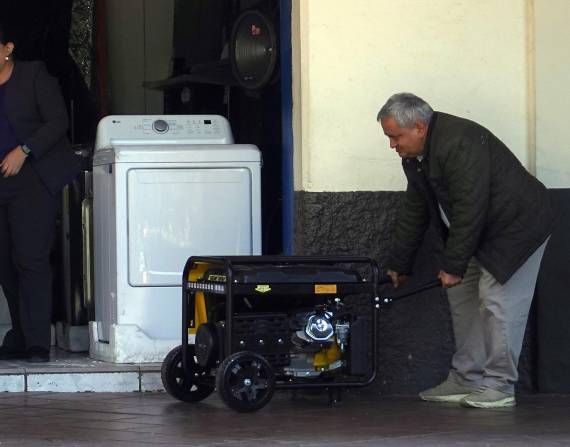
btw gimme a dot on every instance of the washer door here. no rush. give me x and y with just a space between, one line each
181 212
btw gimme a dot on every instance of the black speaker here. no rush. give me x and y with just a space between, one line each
253 49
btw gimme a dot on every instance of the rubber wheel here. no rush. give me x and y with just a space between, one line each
179 385
206 345
245 381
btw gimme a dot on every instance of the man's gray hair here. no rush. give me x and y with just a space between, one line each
406 109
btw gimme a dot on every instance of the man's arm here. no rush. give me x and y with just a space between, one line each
467 171
411 224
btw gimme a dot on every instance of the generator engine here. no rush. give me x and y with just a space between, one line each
304 344
319 345
298 342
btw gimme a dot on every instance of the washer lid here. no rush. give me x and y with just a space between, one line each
213 153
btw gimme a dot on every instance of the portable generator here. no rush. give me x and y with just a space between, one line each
263 323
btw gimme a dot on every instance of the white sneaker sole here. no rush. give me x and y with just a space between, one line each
449 398
502 403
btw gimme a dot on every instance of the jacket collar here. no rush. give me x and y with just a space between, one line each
431 126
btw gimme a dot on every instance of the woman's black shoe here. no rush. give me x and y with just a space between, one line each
35 354
8 353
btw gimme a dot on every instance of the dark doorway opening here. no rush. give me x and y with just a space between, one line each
203 81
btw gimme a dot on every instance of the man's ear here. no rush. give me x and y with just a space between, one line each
421 128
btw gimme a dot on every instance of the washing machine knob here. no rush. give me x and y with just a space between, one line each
160 126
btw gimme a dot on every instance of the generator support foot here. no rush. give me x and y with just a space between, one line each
335 396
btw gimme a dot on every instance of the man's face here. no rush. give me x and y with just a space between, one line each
407 141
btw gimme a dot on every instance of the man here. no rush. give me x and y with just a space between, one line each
495 220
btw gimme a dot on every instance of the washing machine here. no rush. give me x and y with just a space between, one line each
164 188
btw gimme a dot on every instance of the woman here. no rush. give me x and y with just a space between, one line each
36 162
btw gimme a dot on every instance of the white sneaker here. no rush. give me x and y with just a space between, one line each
446 392
486 397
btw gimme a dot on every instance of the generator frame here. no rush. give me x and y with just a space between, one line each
230 287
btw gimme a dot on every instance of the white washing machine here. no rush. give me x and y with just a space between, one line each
164 188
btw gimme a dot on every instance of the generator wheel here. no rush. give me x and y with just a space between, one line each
180 385
245 381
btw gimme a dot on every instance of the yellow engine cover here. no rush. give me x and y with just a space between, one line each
324 358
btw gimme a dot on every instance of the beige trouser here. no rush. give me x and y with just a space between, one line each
489 321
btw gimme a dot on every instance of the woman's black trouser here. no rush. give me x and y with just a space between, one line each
27 229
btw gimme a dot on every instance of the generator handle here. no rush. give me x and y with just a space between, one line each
421 288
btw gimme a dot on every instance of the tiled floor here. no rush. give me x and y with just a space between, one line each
156 419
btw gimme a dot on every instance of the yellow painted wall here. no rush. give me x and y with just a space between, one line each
552 31
464 57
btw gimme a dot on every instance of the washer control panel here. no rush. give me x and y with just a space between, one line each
188 126
163 129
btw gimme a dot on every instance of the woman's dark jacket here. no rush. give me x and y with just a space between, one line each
497 211
38 116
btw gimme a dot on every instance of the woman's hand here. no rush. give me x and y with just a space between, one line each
13 162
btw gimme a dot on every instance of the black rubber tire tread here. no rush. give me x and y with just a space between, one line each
223 385
176 383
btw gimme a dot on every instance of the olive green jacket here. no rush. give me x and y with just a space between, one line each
497 211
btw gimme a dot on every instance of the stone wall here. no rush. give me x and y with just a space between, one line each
415 335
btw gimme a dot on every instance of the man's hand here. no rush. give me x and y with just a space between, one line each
13 162
448 279
396 278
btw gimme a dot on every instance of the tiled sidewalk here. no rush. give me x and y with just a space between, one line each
119 414
156 419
